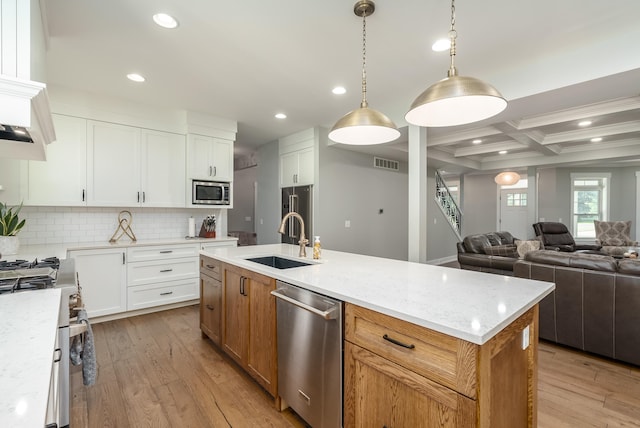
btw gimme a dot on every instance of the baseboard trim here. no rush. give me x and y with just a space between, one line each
443 260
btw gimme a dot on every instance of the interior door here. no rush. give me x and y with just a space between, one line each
513 212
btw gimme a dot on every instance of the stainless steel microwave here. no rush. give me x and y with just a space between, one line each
210 193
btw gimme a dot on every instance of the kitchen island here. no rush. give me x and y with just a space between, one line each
473 336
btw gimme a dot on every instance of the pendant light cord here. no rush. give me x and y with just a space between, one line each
452 37
364 103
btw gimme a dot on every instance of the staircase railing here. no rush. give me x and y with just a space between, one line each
448 205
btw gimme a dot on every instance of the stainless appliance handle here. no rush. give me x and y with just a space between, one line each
292 223
327 315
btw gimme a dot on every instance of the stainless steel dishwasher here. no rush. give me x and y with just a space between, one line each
310 354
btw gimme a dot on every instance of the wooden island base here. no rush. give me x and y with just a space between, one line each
403 375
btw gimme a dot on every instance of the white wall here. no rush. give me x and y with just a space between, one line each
352 189
242 213
268 211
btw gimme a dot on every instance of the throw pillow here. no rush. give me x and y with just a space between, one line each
614 242
523 247
508 250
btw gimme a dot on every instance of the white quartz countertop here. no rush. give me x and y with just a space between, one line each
469 305
28 329
30 252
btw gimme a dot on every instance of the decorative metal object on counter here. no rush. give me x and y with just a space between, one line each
125 220
208 229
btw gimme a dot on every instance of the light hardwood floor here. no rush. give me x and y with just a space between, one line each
156 371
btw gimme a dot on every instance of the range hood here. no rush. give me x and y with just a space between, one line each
26 127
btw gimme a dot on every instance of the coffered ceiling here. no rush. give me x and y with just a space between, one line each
557 63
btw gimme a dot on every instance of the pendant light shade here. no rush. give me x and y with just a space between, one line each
364 126
455 100
507 178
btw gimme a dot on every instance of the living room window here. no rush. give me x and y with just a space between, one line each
589 202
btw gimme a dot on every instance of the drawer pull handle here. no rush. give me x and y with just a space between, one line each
210 307
166 293
166 270
210 267
166 251
397 342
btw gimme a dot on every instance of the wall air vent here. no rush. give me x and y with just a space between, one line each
389 164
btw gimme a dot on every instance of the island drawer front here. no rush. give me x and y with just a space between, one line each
161 271
162 252
211 267
149 295
437 356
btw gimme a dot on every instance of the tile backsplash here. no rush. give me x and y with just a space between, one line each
59 225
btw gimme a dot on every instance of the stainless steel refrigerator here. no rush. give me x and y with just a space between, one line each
298 199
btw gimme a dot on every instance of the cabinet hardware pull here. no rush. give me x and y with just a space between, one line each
215 171
166 293
82 195
144 197
166 251
123 259
166 270
59 357
210 307
138 196
397 342
210 171
210 266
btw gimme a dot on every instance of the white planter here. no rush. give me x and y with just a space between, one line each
9 245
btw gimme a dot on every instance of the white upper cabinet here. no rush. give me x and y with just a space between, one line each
113 171
163 168
61 180
129 166
297 159
209 158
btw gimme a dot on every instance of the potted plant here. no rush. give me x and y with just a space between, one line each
10 225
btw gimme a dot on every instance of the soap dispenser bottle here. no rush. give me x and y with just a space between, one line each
316 248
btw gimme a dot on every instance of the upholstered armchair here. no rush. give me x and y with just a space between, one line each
556 236
614 236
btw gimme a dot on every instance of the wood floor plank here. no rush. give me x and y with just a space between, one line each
156 370
180 405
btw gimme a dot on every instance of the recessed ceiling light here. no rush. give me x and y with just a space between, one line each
135 77
503 152
477 141
584 123
165 20
281 116
339 90
441 45
596 139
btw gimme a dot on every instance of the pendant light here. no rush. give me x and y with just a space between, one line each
455 100
507 178
364 125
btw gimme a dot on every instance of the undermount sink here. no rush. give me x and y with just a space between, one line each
278 262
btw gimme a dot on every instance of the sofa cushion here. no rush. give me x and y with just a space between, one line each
508 250
476 243
574 260
629 266
523 247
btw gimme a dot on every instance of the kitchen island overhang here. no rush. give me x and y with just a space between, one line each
467 305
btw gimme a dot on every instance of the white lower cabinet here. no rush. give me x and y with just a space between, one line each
163 293
159 275
103 277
